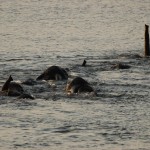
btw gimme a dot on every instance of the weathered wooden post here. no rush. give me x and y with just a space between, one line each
147 50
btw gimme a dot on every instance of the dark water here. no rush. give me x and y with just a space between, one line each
37 34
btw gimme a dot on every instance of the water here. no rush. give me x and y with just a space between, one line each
36 34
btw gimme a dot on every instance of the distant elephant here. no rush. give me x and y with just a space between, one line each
79 85
12 86
53 73
120 66
13 89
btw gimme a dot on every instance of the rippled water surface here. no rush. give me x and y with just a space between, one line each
36 34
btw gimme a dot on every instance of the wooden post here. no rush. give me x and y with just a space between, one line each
147 51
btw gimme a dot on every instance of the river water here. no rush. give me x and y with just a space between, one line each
36 34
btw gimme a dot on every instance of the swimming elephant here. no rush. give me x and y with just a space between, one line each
120 66
12 86
79 85
53 73
14 89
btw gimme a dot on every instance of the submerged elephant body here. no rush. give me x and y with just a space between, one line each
53 73
79 85
14 89
12 86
